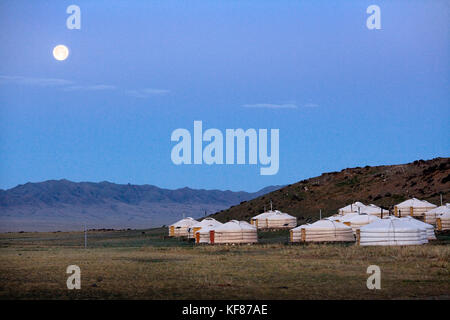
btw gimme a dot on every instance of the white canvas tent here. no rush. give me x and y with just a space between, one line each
347 218
180 228
204 234
334 217
260 220
361 220
428 227
443 222
322 231
199 225
413 207
281 220
374 210
389 232
234 232
351 208
431 215
245 223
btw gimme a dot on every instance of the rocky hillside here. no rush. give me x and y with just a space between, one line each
384 186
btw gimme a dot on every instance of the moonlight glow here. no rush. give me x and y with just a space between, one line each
60 52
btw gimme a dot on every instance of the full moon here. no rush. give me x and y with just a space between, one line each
60 52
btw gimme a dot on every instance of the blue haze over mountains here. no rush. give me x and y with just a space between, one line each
60 205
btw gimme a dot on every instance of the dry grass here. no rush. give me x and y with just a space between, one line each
132 265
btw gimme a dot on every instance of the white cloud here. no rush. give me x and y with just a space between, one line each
97 87
271 106
67 85
34 81
145 93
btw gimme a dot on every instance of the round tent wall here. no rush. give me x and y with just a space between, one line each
281 220
204 234
443 222
199 225
429 229
431 215
260 220
180 228
234 232
322 231
413 207
391 231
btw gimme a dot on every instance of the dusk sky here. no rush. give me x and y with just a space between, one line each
340 94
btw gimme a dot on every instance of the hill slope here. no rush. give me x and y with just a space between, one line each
384 186
64 205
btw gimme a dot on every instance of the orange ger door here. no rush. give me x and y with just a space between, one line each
197 237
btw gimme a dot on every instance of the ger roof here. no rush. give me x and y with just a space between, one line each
280 215
439 210
324 225
186 222
235 226
390 225
416 203
207 222
353 207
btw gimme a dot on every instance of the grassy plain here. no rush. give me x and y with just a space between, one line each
142 264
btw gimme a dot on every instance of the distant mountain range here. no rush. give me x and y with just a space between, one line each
384 186
65 205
